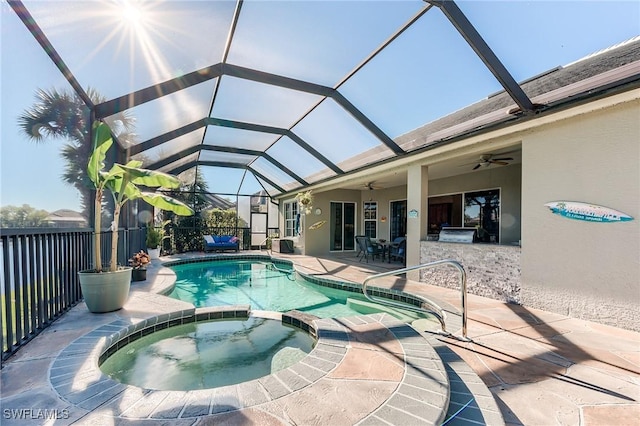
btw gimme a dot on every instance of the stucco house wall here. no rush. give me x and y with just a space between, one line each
316 242
577 268
581 269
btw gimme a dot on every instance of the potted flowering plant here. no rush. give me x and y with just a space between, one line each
305 199
106 291
139 263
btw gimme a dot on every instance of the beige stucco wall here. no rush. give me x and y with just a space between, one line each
316 242
506 178
583 269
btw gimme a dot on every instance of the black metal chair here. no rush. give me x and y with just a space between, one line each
398 250
368 248
358 247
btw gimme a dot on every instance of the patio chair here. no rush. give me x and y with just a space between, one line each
358 247
369 248
398 249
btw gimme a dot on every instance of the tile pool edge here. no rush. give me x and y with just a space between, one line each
76 376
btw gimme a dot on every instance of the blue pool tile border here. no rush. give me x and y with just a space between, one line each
133 332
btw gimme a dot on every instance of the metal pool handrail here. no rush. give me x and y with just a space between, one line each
265 245
439 313
288 272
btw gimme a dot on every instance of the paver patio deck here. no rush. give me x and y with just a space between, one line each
541 368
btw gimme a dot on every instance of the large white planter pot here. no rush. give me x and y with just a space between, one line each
154 254
105 291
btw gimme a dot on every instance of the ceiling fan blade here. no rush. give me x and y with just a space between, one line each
502 159
477 166
502 163
372 186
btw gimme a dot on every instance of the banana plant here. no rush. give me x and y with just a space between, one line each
123 181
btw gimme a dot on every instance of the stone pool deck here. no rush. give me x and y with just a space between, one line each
540 368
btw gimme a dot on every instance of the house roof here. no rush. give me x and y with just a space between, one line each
624 57
217 202
66 215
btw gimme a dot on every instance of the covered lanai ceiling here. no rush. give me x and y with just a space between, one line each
271 95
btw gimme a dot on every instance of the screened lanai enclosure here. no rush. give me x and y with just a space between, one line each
246 99
250 102
244 114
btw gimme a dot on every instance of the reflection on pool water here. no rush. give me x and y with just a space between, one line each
204 355
258 284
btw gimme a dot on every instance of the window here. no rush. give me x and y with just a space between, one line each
474 209
482 211
444 210
371 219
291 219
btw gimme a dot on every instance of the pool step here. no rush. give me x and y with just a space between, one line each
365 307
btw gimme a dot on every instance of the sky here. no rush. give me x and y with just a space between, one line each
424 74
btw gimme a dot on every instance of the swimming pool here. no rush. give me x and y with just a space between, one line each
208 349
271 287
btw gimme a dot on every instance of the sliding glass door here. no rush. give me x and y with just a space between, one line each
343 226
398 219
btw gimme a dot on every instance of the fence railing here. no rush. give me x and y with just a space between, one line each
39 279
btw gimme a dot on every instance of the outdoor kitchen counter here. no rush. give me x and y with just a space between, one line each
493 270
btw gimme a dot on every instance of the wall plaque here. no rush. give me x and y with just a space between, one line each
587 212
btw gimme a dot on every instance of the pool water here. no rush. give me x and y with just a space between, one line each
206 355
258 284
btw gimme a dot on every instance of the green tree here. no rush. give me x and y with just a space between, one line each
62 115
186 232
24 216
191 194
218 218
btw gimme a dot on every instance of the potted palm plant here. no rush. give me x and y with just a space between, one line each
106 291
154 238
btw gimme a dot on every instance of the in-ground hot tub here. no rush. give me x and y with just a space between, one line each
207 354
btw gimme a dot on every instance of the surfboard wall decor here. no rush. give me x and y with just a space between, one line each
587 212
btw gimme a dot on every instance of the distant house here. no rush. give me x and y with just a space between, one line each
65 218
217 202
260 202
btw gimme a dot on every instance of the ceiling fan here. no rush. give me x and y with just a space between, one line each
487 159
372 185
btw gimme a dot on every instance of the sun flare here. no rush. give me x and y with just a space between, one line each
132 14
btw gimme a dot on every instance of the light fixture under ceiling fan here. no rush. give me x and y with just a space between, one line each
487 159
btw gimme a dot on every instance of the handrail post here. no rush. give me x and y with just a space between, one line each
265 245
440 315
463 290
